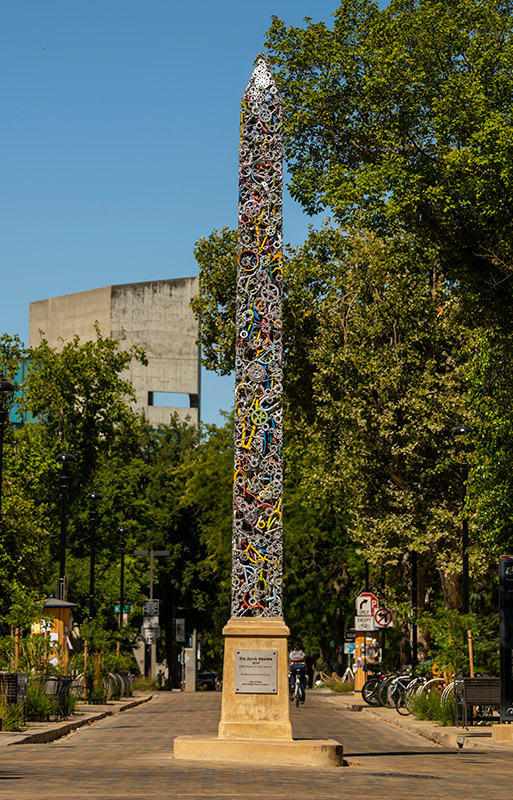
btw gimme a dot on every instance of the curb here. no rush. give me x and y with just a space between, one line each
60 730
456 739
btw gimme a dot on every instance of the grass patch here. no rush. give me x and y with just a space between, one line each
428 706
145 685
12 716
338 686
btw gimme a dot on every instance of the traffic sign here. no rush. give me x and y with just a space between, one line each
365 623
366 604
350 635
150 607
126 608
150 636
150 622
180 630
384 618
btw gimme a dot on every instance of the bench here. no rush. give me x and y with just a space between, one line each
471 692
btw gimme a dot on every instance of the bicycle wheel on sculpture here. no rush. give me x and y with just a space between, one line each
370 691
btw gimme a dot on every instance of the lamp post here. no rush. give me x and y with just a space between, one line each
461 430
94 498
6 400
414 603
122 531
65 459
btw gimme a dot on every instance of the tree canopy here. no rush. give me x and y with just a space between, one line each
399 119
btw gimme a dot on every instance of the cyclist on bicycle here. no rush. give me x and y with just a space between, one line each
297 664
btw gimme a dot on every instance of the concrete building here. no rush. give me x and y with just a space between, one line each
155 315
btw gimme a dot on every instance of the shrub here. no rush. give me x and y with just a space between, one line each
428 706
12 716
40 705
338 685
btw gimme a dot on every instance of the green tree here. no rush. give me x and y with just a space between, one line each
373 386
489 446
81 394
400 120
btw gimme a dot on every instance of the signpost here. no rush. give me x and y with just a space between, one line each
366 604
151 609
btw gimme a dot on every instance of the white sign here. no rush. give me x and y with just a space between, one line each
151 622
384 618
150 607
366 604
150 636
365 623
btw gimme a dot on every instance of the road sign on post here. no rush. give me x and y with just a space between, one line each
365 623
150 608
366 604
151 622
384 618
180 630
150 635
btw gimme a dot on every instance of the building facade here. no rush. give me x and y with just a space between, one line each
156 315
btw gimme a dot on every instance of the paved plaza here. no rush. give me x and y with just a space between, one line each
129 755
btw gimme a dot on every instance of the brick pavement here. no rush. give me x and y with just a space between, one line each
129 755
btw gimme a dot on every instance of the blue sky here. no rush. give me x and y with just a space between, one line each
119 124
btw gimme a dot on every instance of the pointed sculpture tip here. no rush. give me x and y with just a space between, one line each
262 77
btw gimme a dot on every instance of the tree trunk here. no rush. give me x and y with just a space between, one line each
451 589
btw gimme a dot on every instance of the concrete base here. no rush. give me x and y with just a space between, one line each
502 733
255 727
301 752
255 716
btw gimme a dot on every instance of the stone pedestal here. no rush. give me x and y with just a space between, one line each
502 733
262 715
255 724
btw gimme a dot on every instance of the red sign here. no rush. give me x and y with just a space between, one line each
383 618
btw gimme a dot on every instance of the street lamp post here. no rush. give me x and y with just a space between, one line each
414 604
94 497
461 430
65 459
122 531
6 400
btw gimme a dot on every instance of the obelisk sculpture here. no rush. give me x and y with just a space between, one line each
258 482
255 721
255 692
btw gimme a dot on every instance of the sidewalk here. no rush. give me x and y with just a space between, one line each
86 714
477 736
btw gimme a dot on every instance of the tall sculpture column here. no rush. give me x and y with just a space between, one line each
256 703
258 484
255 722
